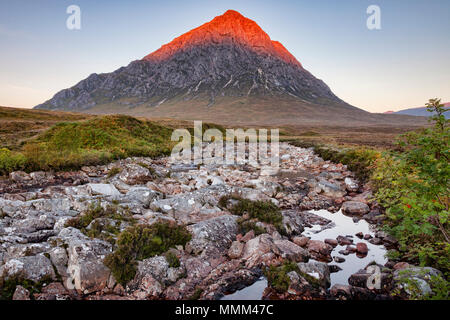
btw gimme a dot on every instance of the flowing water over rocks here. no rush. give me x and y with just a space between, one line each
36 242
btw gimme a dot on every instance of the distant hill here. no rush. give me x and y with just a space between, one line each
420 111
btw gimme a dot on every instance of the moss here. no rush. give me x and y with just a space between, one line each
246 225
196 295
108 231
253 211
172 259
141 242
114 171
278 278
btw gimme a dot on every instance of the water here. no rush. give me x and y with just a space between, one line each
252 292
340 225
344 225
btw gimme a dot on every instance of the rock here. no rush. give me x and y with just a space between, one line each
19 176
291 251
334 268
21 293
372 277
248 236
85 269
301 241
375 241
355 208
401 265
293 222
367 237
236 250
343 241
361 248
317 270
338 259
53 291
103 189
351 185
330 189
149 288
142 195
341 291
213 235
34 268
416 280
320 250
331 242
259 250
360 235
135 174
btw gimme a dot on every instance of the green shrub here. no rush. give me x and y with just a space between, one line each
277 277
263 211
70 145
100 230
141 242
413 186
11 161
114 171
172 259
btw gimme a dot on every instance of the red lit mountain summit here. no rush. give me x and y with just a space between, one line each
213 72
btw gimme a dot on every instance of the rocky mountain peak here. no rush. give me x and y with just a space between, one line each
218 63
229 28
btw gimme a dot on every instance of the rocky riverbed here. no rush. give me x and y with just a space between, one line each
325 217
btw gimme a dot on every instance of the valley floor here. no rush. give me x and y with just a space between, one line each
228 250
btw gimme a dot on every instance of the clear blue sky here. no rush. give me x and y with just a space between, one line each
402 65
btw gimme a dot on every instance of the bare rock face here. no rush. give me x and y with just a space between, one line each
231 56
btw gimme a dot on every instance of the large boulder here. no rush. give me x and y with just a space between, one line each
85 269
34 268
213 235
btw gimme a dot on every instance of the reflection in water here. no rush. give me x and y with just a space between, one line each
340 225
252 292
343 226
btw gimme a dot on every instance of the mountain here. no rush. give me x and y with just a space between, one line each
420 111
227 70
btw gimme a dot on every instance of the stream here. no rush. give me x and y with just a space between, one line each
340 225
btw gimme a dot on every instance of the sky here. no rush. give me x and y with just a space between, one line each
402 65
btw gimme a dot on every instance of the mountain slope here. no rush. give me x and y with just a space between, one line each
226 66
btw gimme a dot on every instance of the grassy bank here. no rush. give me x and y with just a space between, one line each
99 140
